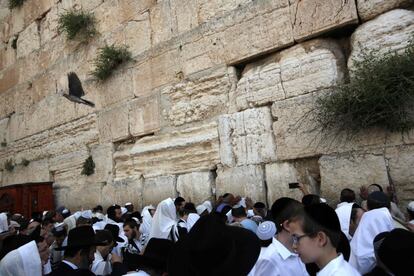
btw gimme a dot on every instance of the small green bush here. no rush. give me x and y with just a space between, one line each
108 59
77 24
380 94
15 3
25 162
9 165
88 166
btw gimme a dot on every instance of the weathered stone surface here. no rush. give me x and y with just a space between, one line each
4 131
36 10
246 137
122 191
7 55
8 78
177 151
199 97
298 135
400 161
79 196
159 188
196 187
49 26
314 17
304 68
244 181
113 124
278 176
6 103
29 40
391 31
138 34
102 157
131 10
368 9
36 171
144 116
350 171
163 23
123 163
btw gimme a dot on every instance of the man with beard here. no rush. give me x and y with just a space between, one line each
134 246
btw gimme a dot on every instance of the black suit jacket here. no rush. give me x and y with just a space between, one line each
65 270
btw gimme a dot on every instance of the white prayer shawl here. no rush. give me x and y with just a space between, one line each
145 227
3 223
100 266
70 222
200 209
191 220
344 214
24 261
208 205
165 218
362 249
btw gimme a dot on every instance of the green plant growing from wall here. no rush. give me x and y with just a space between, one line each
9 165
77 24
108 59
380 94
25 162
88 166
15 3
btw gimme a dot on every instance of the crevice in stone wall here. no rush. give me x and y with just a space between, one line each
266 189
213 184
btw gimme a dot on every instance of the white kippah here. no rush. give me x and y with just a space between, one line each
410 206
123 210
266 230
128 203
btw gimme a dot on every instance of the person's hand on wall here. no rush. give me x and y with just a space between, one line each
363 192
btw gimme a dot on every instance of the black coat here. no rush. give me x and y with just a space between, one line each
63 269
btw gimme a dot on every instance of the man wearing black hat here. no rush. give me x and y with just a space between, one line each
59 233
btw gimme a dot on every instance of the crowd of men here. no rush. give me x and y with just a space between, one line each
365 235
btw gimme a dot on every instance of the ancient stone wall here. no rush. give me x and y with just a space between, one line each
215 100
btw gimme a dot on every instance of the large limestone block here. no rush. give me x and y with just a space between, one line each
350 171
259 27
196 187
278 176
7 55
298 135
49 26
368 9
181 151
102 157
163 22
400 163
68 165
29 40
138 34
199 97
391 31
7 103
304 68
9 78
159 188
246 181
246 137
36 171
122 191
123 162
144 116
36 10
311 18
131 10
113 123
208 10
79 196
107 16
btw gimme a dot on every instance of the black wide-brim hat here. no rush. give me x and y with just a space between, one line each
213 248
114 229
155 255
82 236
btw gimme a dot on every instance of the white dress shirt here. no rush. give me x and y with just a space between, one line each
100 266
338 267
276 260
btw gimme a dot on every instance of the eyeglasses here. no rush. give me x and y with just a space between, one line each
296 238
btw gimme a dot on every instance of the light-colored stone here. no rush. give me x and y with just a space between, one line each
131 10
79 195
278 176
163 22
209 10
8 78
144 116
138 34
196 187
113 124
36 171
389 32
368 9
177 151
311 18
304 68
199 97
102 157
247 138
49 26
122 191
244 181
124 164
350 171
4 131
29 40
159 188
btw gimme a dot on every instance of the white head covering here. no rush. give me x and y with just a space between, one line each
164 219
145 227
124 210
24 261
266 230
70 221
128 203
344 215
191 220
362 249
208 205
86 214
3 223
242 202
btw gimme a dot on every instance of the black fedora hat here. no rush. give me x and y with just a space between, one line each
213 248
114 229
82 236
